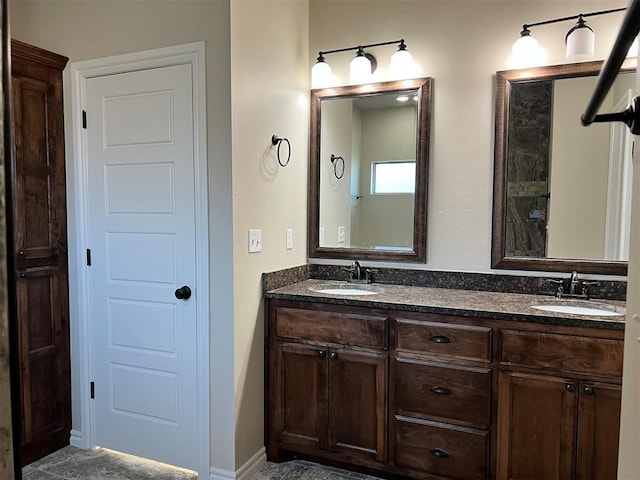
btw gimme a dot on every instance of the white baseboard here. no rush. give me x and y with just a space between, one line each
245 472
77 440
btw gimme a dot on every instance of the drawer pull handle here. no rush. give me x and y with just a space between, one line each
570 387
439 339
437 452
440 390
588 390
333 355
322 353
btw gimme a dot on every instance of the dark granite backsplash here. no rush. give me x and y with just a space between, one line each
608 289
282 278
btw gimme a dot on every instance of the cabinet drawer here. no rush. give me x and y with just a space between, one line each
595 356
367 331
432 448
450 392
444 339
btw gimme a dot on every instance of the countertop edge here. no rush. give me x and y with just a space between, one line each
545 319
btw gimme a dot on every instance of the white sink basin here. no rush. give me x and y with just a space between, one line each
581 310
347 289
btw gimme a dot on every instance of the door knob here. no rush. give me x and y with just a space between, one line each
183 293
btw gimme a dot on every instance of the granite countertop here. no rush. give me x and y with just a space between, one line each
470 303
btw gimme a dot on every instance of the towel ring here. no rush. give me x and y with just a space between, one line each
276 140
335 161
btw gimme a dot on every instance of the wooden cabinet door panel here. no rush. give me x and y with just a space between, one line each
301 396
43 352
598 431
537 419
357 403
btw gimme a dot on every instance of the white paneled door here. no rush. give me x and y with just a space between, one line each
141 233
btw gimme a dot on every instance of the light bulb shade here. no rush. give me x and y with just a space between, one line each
360 69
580 42
320 75
402 64
526 51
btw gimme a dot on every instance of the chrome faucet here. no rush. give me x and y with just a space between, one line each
574 283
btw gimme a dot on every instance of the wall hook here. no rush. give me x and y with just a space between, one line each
335 161
276 140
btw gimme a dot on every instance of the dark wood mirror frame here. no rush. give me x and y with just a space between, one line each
423 86
504 79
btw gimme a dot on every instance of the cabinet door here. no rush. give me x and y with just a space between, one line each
36 191
598 430
537 419
357 403
300 415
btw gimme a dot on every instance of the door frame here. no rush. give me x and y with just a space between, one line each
82 370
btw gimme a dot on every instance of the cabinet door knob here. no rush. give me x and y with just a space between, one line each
322 353
333 355
570 387
440 390
439 339
588 390
437 452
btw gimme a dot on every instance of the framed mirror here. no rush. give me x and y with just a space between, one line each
561 192
368 165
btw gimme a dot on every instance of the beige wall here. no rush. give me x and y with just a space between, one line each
270 95
461 44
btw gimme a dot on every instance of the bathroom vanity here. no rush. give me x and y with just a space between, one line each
438 383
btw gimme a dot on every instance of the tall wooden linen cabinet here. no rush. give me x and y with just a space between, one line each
36 196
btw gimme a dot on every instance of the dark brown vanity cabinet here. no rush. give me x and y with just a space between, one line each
465 398
571 419
328 385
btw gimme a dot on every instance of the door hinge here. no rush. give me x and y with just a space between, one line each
84 119
88 257
93 390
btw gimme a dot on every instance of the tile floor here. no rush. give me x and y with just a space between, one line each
74 464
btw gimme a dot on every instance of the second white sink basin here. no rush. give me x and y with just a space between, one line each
580 310
346 289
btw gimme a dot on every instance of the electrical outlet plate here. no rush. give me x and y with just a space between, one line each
255 241
341 234
289 235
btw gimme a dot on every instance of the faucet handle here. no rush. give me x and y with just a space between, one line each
589 284
368 272
553 280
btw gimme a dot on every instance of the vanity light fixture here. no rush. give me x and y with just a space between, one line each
364 64
580 40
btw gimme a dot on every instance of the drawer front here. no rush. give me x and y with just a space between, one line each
594 356
435 390
444 339
367 331
431 448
